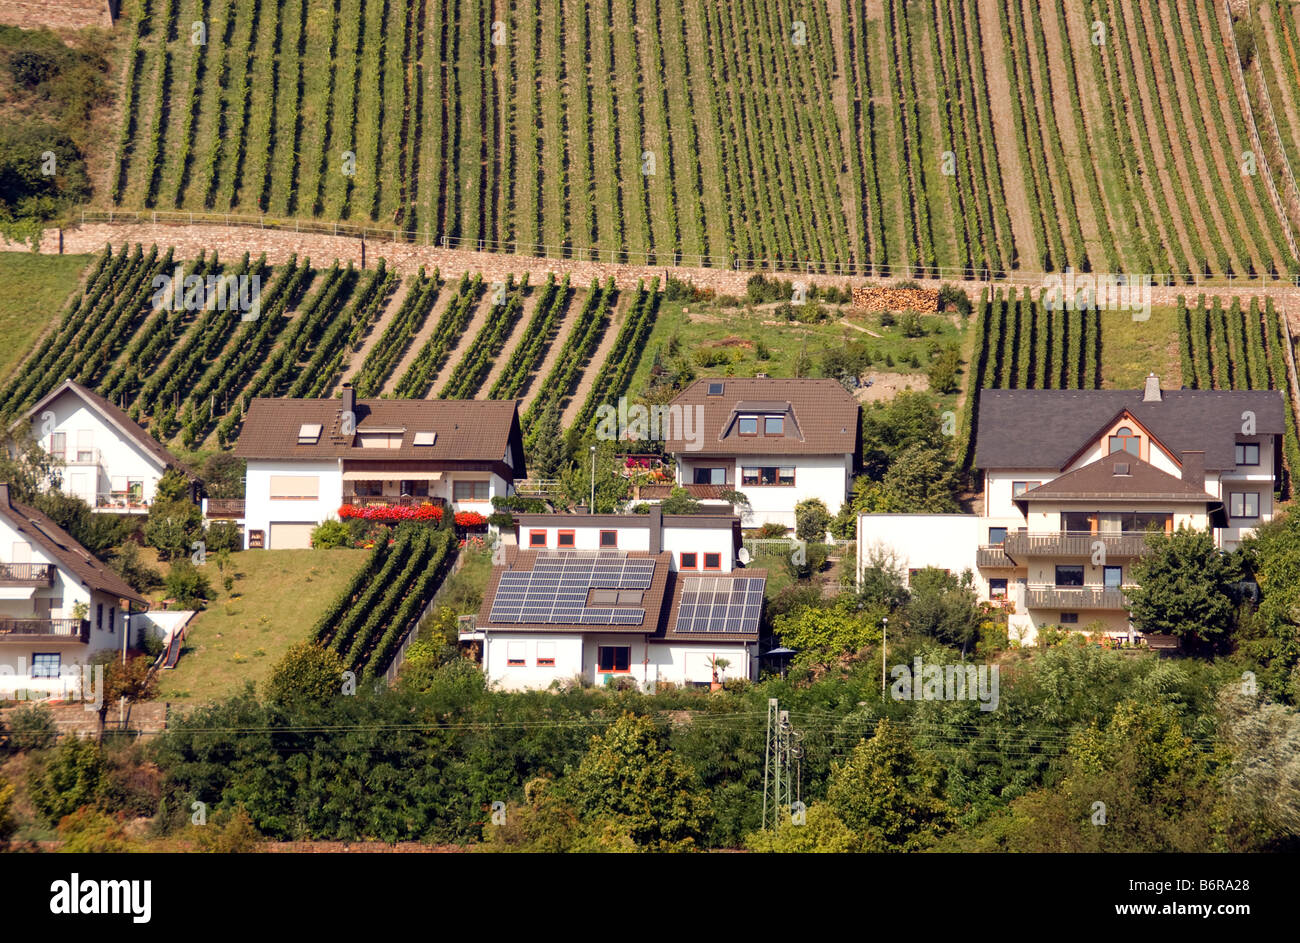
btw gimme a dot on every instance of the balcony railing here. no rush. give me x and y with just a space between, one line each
1072 543
1075 597
121 501
13 630
364 501
26 574
74 456
225 507
993 555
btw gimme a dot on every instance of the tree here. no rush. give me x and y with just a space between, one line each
612 488
823 634
223 475
628 778
886 792
187 585
811 518
880 583
823 832
172 486
307 675
229 833
90 831
547 457
921 480
32 727
24 465
944 606
1271 635
1185 587
891 430
134 681
679 501
174 524
70 780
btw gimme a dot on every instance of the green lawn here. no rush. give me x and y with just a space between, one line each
279 595
1131 349
35 290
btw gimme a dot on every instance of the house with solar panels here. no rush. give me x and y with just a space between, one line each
651 598
1073 483
777 441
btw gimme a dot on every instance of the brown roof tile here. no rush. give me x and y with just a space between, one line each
70 555
467 430
1107 479
823 416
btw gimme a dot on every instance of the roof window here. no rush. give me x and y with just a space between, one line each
309 433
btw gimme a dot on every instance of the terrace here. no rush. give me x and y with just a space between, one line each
1072 543
1047 596
26 574
44 630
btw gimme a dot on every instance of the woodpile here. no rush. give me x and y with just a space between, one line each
877 298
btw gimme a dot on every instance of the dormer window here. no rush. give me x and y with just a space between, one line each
1124 440
773 425
748 425
309 433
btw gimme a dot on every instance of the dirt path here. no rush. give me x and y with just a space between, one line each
570 317
1024 227
446 292
513 340
395 303
593 366
464 343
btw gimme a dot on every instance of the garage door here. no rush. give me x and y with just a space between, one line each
291 536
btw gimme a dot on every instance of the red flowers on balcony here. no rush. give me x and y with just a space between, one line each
470 519
391 513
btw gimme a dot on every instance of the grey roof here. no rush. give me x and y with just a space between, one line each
1047 428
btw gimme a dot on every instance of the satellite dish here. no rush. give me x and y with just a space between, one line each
743 556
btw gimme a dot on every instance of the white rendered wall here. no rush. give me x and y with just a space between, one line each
261 510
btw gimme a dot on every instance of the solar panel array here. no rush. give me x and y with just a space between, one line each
554 591
721 604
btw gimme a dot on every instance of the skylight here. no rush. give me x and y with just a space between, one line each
309 433
715 389
425 438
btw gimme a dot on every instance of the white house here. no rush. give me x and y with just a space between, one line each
309 458
58 603
648 597
776 441
1074 480
108 460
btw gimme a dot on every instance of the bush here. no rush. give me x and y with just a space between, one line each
32 727
72 779
29 68
811 519
771 531
223 535
187 585
307 675
330 535
125 562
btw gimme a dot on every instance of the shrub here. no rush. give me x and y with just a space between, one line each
187 585
308 674
72 779
330 535
811 519
223 535
30 68
32 727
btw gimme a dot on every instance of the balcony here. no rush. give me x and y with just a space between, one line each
1075 597
121 502
81 457
26 574
406 501
44 630
225 508
993 555
1072 543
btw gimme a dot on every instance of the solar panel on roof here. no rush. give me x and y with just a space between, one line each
555 590
720 605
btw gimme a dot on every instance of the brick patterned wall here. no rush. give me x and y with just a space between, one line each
58 14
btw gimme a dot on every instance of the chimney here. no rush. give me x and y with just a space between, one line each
350 402
656 529
1194 469
1151 393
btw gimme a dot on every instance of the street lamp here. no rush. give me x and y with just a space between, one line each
884 643
593 480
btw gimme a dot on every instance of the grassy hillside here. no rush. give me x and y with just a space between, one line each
35 290
278 596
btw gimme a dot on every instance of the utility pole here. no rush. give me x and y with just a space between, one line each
593 480
784 754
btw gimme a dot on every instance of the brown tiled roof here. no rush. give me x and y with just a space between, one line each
1046 428
822 417
467 430
1104 480
676 585
69 554
115 417
523 560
